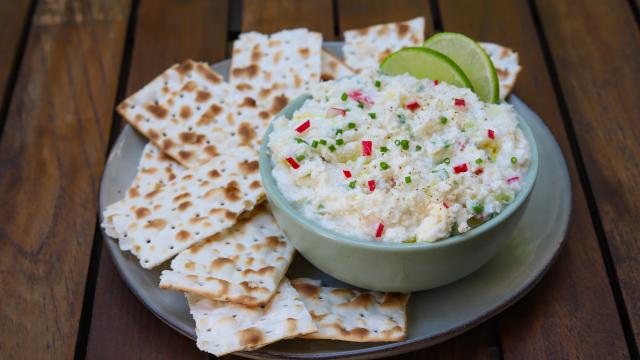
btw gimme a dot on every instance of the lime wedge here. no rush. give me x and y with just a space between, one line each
472 60
422 63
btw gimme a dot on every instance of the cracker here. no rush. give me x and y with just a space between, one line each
365 48
506 62
274 69
243 264
350 315
190 113
225 327
155 169
333 68
158 223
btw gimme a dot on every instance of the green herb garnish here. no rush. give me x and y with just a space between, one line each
383 149
478 161
351 125
378 84
352 184
418 147
373 115
514 160
314 144
443 120
344 97
384 165
404 144
332 148
478 208
300 141
300 158
447 161
407 179
339 142
323 142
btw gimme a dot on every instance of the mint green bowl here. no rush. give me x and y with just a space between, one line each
394 267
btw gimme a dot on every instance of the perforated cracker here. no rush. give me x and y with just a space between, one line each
276 68
243 264
157 224
506 62
345 314
225 327
365 48
192 115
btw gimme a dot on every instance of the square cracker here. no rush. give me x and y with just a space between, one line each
190 113
365 48
225 327
507 66
155 170
333 68
157 224
350 315
276 68
243 264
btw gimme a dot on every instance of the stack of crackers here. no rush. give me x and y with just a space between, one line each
197 199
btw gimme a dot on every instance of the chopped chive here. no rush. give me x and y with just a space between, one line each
478 161
383 149
384 165
352 125
323 142
339 142
347 110
407 179
447 161
443 120
344 97
397 142
418 147
514 160
378 83
361 105
332 148
352 184
478 208
300 141
373 115
339 131
404 144
446 146
314 144
300 157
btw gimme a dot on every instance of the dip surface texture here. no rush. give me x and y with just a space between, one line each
397 159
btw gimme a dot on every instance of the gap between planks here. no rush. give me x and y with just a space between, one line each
15 67
612 275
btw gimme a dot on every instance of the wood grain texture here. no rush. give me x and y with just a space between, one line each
555 320
167 32
599 75
355 14
51 157
269 16
13 17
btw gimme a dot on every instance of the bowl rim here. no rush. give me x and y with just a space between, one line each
275 195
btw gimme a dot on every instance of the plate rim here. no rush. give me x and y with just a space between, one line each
376 351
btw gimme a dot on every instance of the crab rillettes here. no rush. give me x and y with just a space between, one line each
397 159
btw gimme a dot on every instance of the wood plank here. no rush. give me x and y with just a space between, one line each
269 16
599 74
355 14
475 344
556 318
121 327
51 157
14 19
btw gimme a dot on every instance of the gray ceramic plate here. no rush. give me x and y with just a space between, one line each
434 315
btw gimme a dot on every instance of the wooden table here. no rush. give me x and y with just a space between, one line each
64 65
